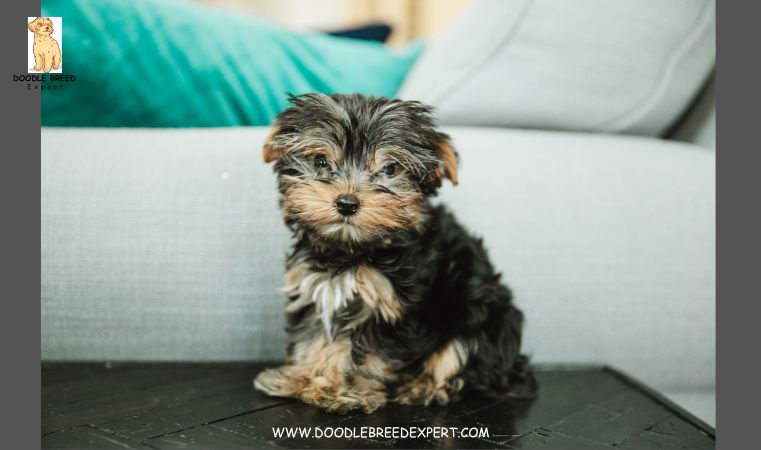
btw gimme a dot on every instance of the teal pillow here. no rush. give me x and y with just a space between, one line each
156 63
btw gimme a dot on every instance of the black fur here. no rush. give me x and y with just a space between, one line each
441 275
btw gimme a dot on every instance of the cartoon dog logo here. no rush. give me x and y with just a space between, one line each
47 53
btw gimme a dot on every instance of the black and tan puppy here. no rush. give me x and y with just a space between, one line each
390 299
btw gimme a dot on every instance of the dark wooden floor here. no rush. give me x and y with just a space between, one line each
168 406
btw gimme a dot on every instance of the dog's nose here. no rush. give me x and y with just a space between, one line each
347 204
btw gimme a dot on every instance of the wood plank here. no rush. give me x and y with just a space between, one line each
141 409
672 432
172 418
208 437
94 385
606 423
75 403
82 382
252 429
562 393
87 437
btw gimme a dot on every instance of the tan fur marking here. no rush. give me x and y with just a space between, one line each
380 158
271 152
447 362
303 149
322 373
329 152
377 368
268 152
399 211
294 275
375 161
314 202
449 157
439 380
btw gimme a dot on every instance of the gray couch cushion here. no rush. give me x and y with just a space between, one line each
698 125
612 66
168 245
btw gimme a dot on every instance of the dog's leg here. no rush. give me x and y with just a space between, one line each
47 63
38 61
425 389
356 393
344 394
56 60
498 369
286 381
323 374
322 387
439 381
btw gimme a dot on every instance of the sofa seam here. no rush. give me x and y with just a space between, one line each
666 75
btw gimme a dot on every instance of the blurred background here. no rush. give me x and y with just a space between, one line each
408 19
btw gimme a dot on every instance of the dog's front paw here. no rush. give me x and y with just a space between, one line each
424 391
278 382
347 404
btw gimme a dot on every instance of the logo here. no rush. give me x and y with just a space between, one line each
44 45
44 56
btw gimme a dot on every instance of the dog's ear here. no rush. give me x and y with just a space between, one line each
268 150
449 158
33 24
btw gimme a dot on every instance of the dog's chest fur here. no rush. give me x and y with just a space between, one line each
343 299
44 44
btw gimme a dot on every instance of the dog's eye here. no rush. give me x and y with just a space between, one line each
320 162
389 170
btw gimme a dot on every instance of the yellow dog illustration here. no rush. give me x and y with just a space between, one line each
47 54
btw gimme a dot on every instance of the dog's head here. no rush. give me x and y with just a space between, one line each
41 26
354 170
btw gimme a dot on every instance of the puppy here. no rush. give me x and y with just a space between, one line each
47 54
389 298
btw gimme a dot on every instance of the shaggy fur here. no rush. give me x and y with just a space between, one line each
390 299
